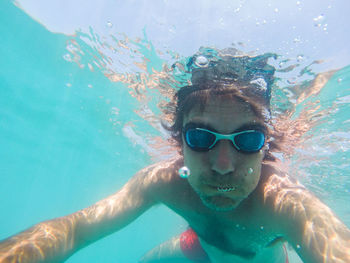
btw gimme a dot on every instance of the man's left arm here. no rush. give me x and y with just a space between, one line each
316 234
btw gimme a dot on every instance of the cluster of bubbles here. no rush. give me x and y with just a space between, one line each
319 22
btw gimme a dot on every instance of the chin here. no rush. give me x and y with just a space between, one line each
220 203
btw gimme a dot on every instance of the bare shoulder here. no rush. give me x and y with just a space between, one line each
287 198
159 177
278 187
140 193
305 221
161 171
278 196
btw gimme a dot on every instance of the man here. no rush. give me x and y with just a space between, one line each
239 206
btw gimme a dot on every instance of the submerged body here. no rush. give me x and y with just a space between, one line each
224 199
241 207
250 233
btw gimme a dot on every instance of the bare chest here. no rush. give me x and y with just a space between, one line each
244 232
242 236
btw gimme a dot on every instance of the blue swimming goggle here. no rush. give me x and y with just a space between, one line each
201 140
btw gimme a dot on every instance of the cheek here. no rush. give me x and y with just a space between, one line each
250 180
196 163
252 168
189 160
192 159
187 156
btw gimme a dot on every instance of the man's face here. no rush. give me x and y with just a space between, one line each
223 176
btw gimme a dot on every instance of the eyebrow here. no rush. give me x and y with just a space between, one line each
252 126
244 127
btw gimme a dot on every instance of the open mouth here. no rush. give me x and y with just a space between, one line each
222 188
226 189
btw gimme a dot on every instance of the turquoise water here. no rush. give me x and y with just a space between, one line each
60 150
75 124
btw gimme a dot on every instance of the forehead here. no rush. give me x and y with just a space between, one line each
223 115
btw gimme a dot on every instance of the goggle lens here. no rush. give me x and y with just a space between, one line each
249 141
199 139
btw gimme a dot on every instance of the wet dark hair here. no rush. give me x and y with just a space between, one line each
246 79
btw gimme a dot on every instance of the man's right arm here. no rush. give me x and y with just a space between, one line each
55 240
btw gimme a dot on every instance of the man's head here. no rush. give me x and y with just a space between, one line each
246 79
229 95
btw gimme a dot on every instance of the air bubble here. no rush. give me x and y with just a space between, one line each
184 172
298 246
319 18
237 9
262 228
296 40
67 57
109 24
276 10
339 80
201 61
300 58
250 170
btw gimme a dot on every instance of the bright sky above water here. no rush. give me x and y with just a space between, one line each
314 29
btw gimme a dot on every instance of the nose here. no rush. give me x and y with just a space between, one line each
224 157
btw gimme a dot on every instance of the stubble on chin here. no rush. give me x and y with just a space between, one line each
219 203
